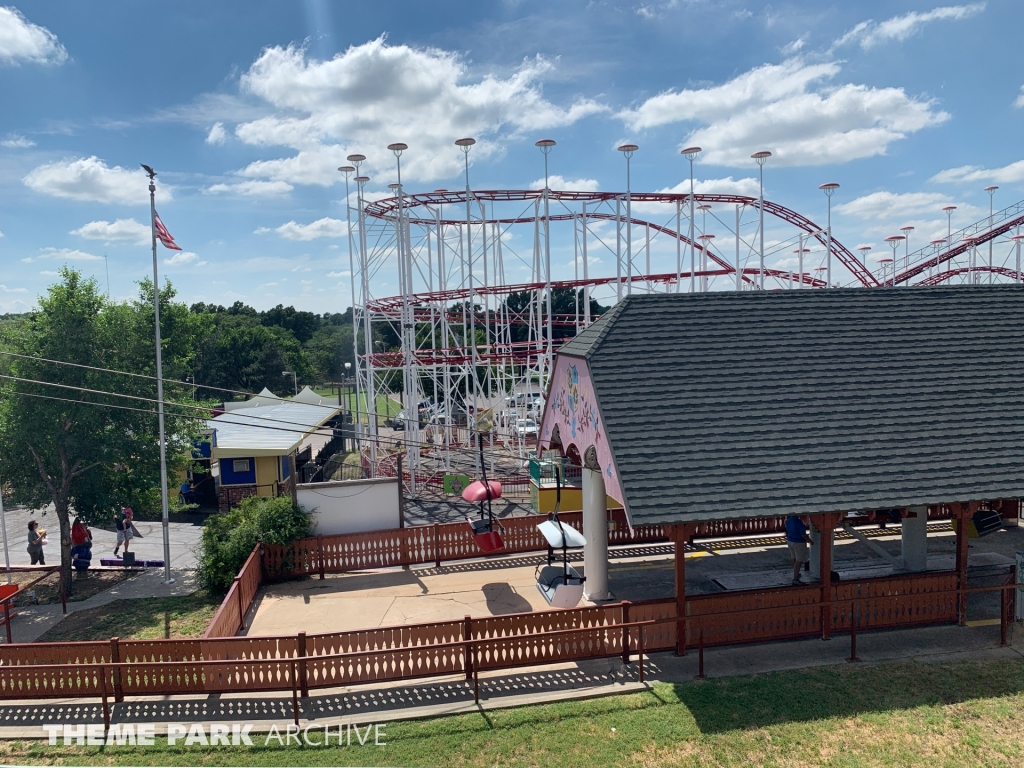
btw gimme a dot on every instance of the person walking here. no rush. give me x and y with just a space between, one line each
797 540
123 526
36 539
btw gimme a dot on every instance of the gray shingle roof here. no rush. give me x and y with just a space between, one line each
729 405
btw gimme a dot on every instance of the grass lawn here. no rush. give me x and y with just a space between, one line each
386 406
138 619
966 714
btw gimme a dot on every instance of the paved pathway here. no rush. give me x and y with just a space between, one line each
184 537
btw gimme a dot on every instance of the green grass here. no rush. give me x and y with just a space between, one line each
964 714
138 619
386 406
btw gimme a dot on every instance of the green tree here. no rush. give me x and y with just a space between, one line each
69 443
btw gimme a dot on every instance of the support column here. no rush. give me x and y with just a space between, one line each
595 530
679 539
915 539
963 514
825 523
817 550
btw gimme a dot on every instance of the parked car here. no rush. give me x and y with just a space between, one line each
525 428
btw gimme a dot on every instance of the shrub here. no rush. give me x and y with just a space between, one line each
229 537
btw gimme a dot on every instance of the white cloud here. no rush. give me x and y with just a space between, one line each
183 258
217 134
251 188
869 33
1019 102
1 234
14 141
566 185
121 229
90 179
344 273
325 227
786 109
879 205
62 254
794 47
21 40
376 93
5 289
728 186
1008 174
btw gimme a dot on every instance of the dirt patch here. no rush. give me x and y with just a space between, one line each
47 590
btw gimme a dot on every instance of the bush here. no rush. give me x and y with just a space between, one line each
229 538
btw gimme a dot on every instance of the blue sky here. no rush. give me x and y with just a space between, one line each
245 109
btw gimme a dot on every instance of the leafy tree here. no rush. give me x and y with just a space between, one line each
71 444
229 537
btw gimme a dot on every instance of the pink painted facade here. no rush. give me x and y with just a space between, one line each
572 406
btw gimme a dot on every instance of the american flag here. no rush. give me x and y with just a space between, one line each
163 235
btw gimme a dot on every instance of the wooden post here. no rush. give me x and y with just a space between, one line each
241 608
320 554
962 513
679 537
467 649
437 545
115 659
826 523
301 651
625 632
7 620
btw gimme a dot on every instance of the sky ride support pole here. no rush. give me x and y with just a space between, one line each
739 272
465 144
679 243
164 503
442 285
618 249
357 424
586 287
371 389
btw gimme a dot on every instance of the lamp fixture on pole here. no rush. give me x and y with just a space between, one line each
829 188
690 153
761 158
894 241
627 151
948 210
906 229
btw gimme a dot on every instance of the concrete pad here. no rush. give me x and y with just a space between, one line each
419 595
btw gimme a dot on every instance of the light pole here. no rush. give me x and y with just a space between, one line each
761 158
938 250
627 151
800 260
165 518
690 153
295 379
346 170
906 230
545 146
3 518
829 188
991 202
464 145
894 241
949 232
703 208
1017 239
864 251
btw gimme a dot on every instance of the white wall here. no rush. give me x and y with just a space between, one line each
351 506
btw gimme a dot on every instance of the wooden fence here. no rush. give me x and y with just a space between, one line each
231 614
303 662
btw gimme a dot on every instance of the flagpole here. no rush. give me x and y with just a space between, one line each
164 505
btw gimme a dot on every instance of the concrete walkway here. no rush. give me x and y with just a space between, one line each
32 621
537 685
